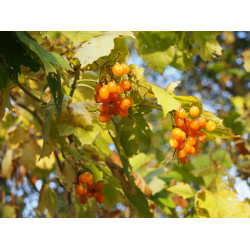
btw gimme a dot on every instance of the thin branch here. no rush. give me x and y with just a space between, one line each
58 161
27 91
77 74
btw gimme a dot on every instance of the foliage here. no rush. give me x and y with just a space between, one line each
50 132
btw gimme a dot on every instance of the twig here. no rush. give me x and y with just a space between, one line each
27 91
75 81
58 161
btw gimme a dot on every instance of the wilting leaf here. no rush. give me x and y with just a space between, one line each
183 189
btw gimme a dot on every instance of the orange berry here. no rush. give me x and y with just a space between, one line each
184 160
103 117
183 136
195 125
115 110
117 102
119 90
126 68
202 136
83 199
131 100
82 178
80 190
187 147
123 113
202 122
91 187
99 186
192 150
104 109
126 103
113 96
117 69
106 101
188 121
181 113
112 87
98 87
181 153
90 194
97 98
194 111
179 122
104 93
181 146
191 140
197 149
89 179
100 197
210 126
126 84
177 134
173 143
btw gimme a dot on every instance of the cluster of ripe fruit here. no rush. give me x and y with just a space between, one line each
187 134
90 189
113 95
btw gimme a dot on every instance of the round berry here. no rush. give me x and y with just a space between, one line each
117 69
192 150
202 122
112 87
104 93
202 136
126 84
191 140
195 125
181 153
179 122
98 99
99 186
100 197
183 136
119 90
184 160
104 109
177 134
115 110
126 68
126 103
103 117
181 113
194 111
91 187
210 126
187 147
83 199
123 113
173 143
80 190
89 179
82 178
90 194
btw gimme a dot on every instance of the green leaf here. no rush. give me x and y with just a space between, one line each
183 189
103 46
159 49
220 130
171 87
207 45
47 200
188 101
246 59
81 36
140 160
8 211
139 201
139 84
111 195
166 100
221 204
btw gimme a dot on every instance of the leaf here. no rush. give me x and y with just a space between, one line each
111 195
81 36
69 173
87 135
183 189
159 49
207 45
8 211
171 87
7 166
220 130
142 185
166 100
49 60
79 114
47 200
156 185
139 201
188 101
98 47
246 59
140 160
139 84
221 204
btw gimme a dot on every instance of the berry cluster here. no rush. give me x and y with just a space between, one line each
187 134
90 189
113 95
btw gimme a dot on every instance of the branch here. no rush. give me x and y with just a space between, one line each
27 91
75 81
